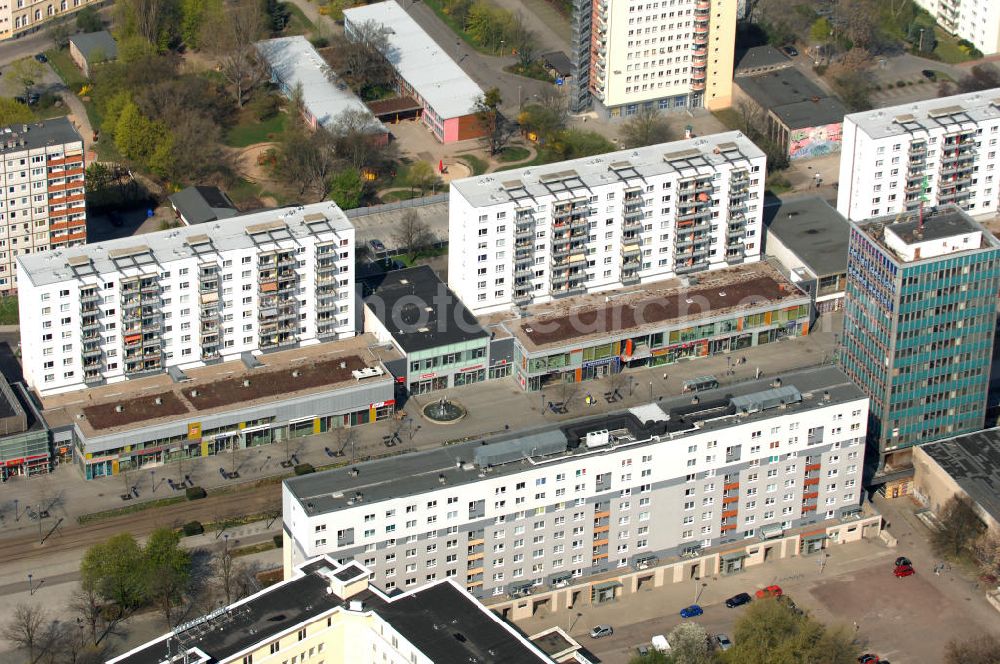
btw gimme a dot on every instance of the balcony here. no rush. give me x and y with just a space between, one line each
698 85
688 266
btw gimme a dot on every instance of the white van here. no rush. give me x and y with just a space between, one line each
660 643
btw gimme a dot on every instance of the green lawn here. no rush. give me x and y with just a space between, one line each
250 131
400 195
66 69
513 154
947 48
298 24
448 20
8 310
728 117
477 165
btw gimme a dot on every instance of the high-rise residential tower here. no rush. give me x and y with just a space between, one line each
919 325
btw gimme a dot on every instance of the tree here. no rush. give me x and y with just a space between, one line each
413 234
821 30
88 20
309 161
347 188
771 632
960 526
114 570
363 58
144 18
234 37
137 137
421 176
547 117
647 127
277 15
358 139
198 19
982 649
986 550
25 627
12 112
25 73
167 570
59 33
577 143
86 603
498 130
689 644
980 77
524 41
652 657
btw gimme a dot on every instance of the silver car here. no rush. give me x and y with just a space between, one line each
723 642
601 631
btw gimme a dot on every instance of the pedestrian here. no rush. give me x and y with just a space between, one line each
664 376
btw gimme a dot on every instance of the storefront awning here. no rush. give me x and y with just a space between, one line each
771 531
607 584
558 578
815 538
733 555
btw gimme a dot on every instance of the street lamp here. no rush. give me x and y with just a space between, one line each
17 515
31 589
543 408
650 391
501 47
152 480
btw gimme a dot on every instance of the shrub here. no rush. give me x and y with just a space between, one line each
265 106
820 69
192 528
320 42
889 86
304 469
278 541
900 84
195 493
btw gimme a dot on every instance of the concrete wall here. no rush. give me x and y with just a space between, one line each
935 487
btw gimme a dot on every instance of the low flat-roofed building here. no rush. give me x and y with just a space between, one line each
965 466
809 240
760 59
25 447
92 48
328 612
200 204
424 71
799 115
215 409
294 61
591 336
450 509
442 343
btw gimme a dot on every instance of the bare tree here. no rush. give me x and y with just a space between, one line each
144 16
25 628
960 526
647 127
356 139
497 129
413 234
234 38
364 55
309 161
86 603
224 564
982 649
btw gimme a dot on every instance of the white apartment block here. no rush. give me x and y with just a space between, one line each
107 312
17 17
975 20
617 491
42 205
936 151
529 235
665 54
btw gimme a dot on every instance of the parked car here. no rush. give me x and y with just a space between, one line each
723 642
903 570
869 658
902 560
738 600
790 51
377 246
41 58
770 591
642 650
929 74
691 611
601 631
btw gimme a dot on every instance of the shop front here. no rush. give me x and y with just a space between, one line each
733 562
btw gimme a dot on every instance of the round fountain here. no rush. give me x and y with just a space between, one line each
444 411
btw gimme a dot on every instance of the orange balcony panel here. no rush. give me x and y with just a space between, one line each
731 486
473 585
697 85
72 172
474 571
726 529
600 542
730 500
476 542
728 514
813 466
269 287
57 187
597 559
475 556
68 238
810 496
601 529
808 508
811 481
602 515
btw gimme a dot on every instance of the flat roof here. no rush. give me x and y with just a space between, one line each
420 61
973 461
594 316
440 619
688 157
419 310
281 376
429 470
90 42
760 56
156 250
558 61
924 116
293 60
789 87
34 135
938 223
812 230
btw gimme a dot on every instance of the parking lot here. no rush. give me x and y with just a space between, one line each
908 621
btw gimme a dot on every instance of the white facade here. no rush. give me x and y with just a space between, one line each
941 150
183 298
551 513
42 200
975 20
529 235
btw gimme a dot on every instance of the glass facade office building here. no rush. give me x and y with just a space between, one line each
918 330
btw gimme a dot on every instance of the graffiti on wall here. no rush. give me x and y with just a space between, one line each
814 141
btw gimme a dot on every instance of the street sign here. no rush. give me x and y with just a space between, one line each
560 81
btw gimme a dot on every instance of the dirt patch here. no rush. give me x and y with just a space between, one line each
273 383
105 416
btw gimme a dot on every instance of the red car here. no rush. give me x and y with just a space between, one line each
903 570
770 591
